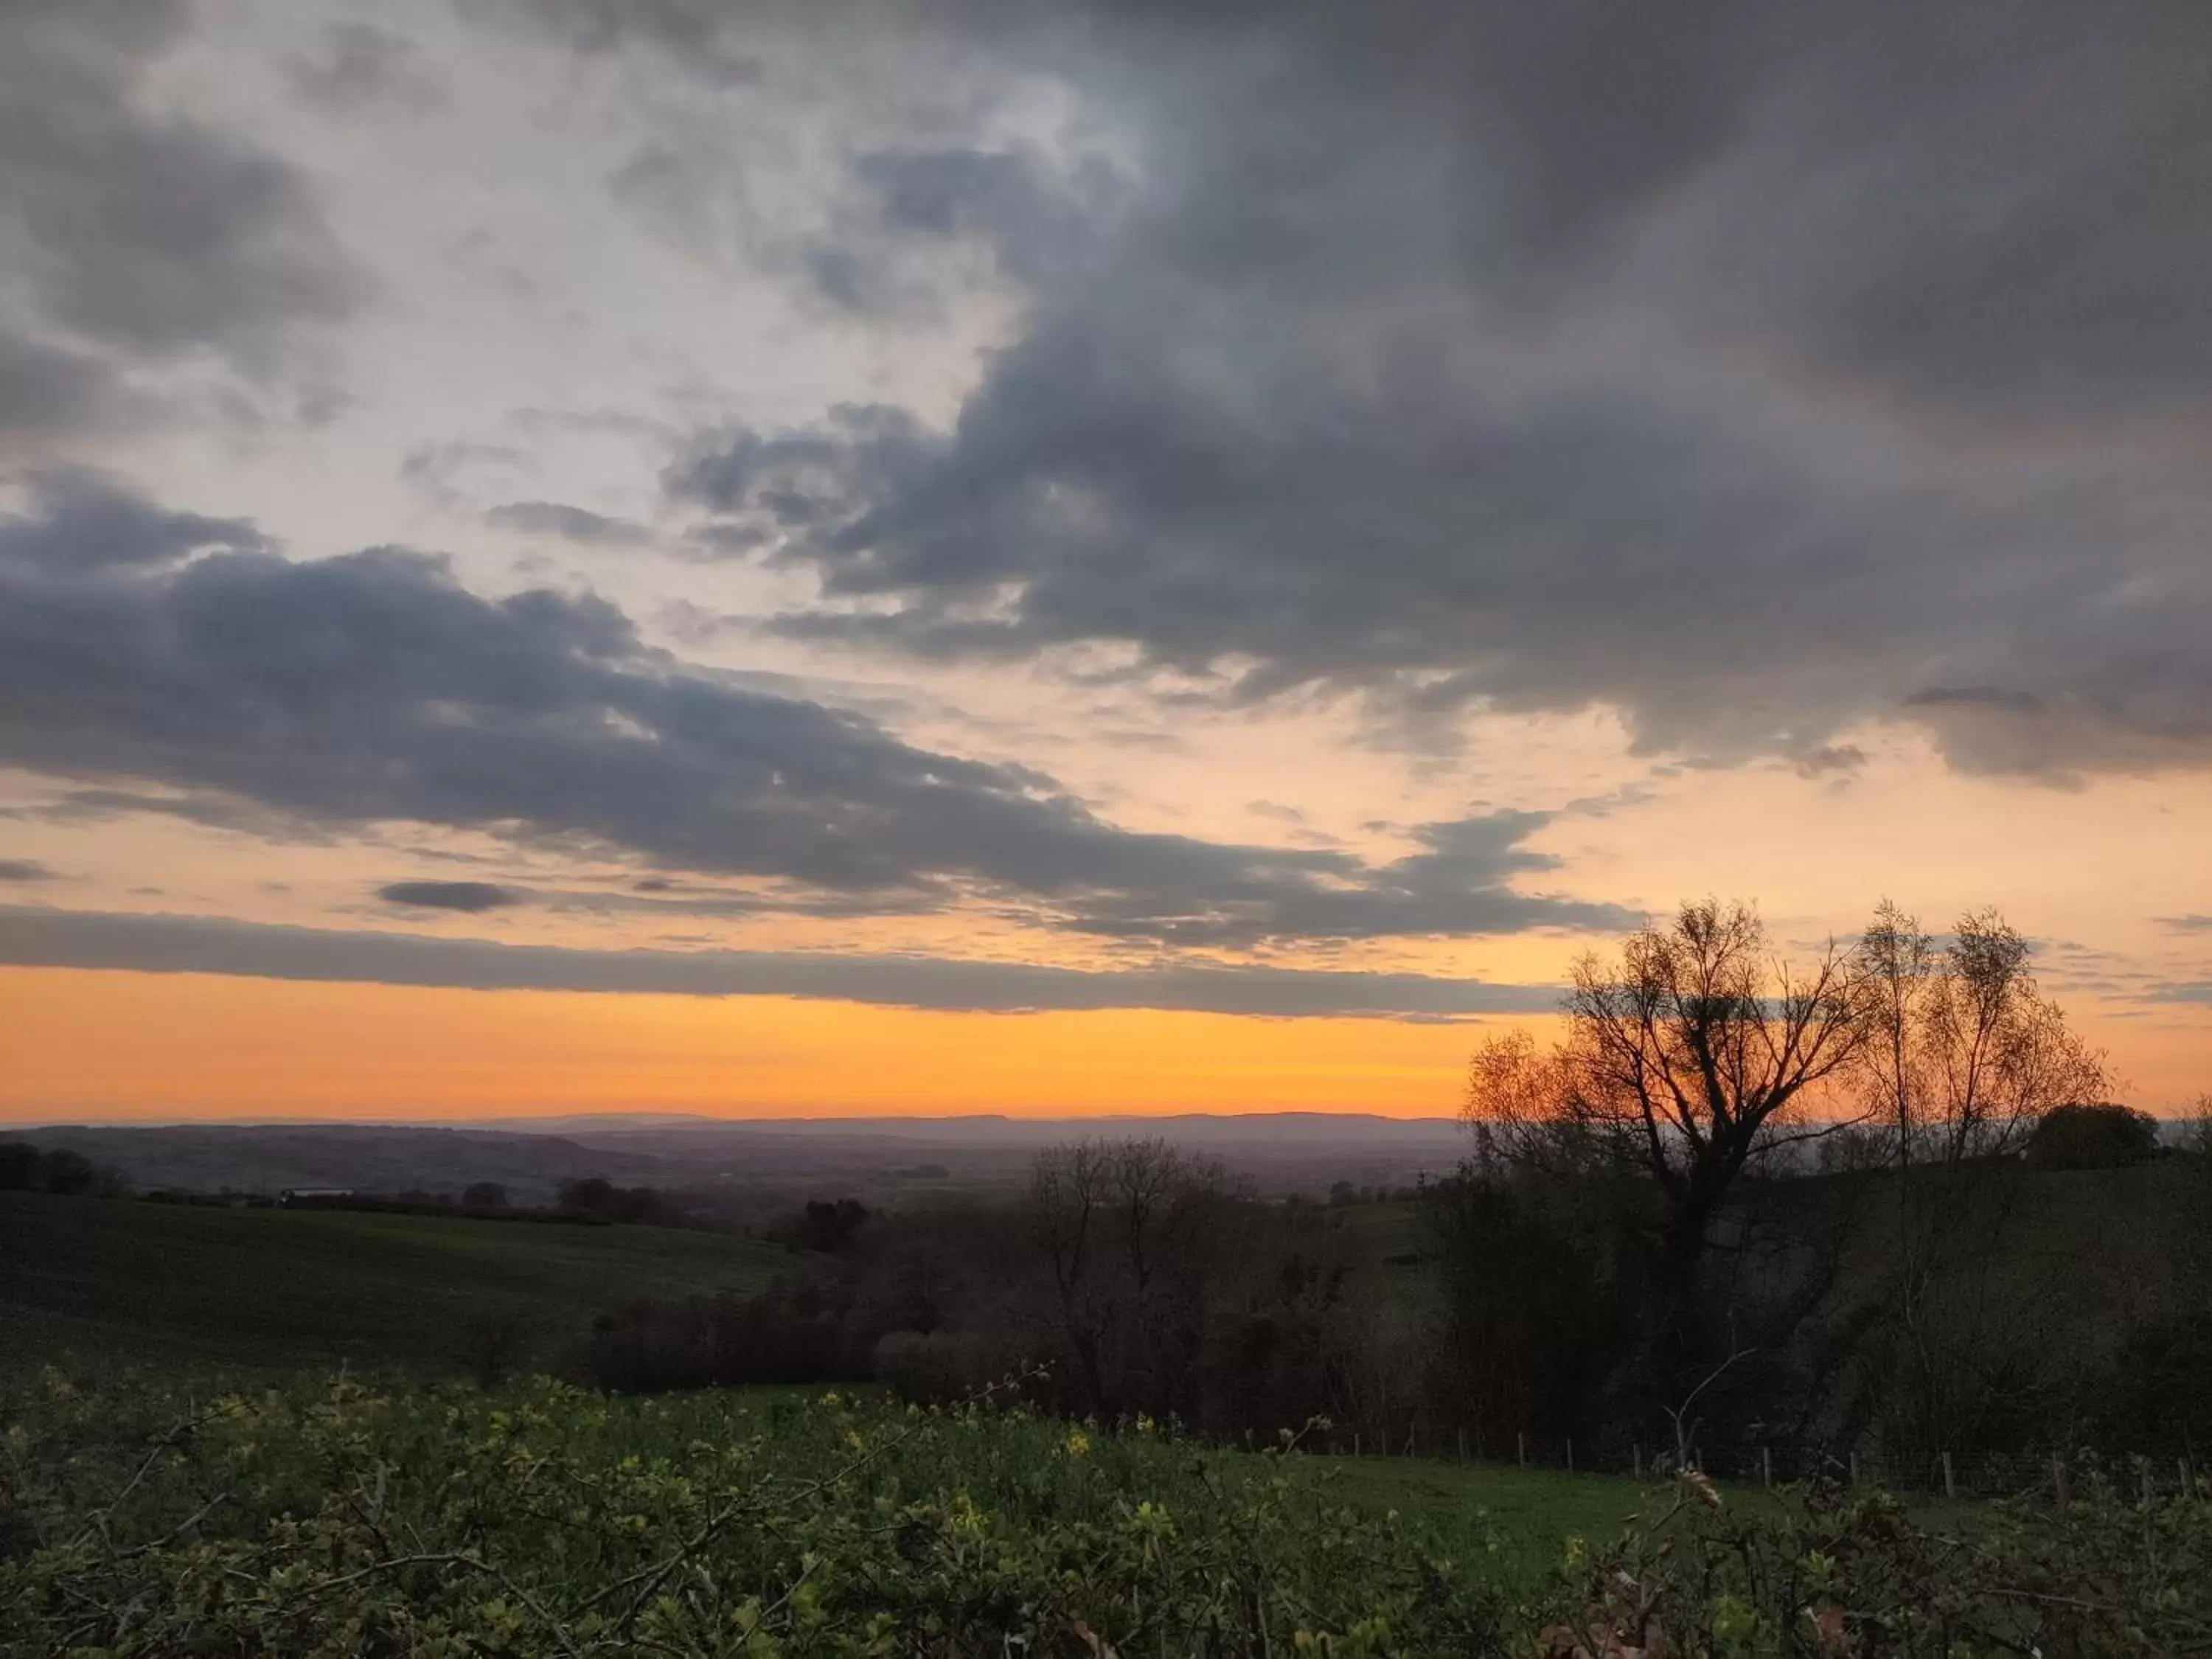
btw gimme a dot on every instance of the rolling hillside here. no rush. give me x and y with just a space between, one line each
116 1281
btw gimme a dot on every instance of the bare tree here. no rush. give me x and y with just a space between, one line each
1684 1060
1125 1227
1963 1056
2196 1126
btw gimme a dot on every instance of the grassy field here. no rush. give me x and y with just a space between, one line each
110 1281
1522 1517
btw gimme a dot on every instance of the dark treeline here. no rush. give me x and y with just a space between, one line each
28 1169
1873 1208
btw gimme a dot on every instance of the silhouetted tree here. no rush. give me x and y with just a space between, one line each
2102 1136
20 1166
1681 1062
829 1226
1126 1229
1964 1059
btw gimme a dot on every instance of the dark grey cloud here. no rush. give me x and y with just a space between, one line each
146 651
1029 223
471 898
80 521
571 524
358 65
143 232
1756 371
24 870
2188 924
50 392
35 937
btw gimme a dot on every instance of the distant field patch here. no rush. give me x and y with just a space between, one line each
118 1281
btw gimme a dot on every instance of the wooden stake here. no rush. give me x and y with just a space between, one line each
1766 1466
1950 1486
2059 1478
1520 1446
1462 1445
1571 1457
1855 1469
1636 1450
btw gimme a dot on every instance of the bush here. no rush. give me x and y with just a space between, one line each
2107 1573
792 1332
931 1369
334 1519
2101 1136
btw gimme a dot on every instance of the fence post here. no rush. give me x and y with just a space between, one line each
1636 1451
1570 1457
1355 1443
1462 1445
2148 1493
1521 1449
2181 1468
1766 1466
2058 1478
1855 1467
1950 1486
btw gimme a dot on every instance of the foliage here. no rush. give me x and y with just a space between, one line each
1830 1576
24 1167
2092 1137
340 1520
798 1330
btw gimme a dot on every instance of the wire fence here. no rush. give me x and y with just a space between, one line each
2048 1475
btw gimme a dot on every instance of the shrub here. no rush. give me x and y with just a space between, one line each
2100 1137
336 1520
2107 1573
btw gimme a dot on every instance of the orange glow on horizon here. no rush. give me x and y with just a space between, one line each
83 1044
108 1045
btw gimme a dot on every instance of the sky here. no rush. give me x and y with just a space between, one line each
1072 555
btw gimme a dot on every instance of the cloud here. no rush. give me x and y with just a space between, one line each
2189 924
49 391
1832 759
1707 369
24 870
140 232
372 687
32 936
361 66
571 523
81 521
470 897
432 467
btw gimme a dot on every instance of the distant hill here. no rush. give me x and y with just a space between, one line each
1278 1151
368 1157
1281 1151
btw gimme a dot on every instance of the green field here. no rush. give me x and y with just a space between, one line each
111 1281
1520 1519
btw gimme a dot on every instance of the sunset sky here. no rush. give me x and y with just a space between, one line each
1035 555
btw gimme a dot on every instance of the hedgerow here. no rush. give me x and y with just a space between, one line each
542 1521
2116 1570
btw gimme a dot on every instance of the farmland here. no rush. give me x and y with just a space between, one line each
114 1281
